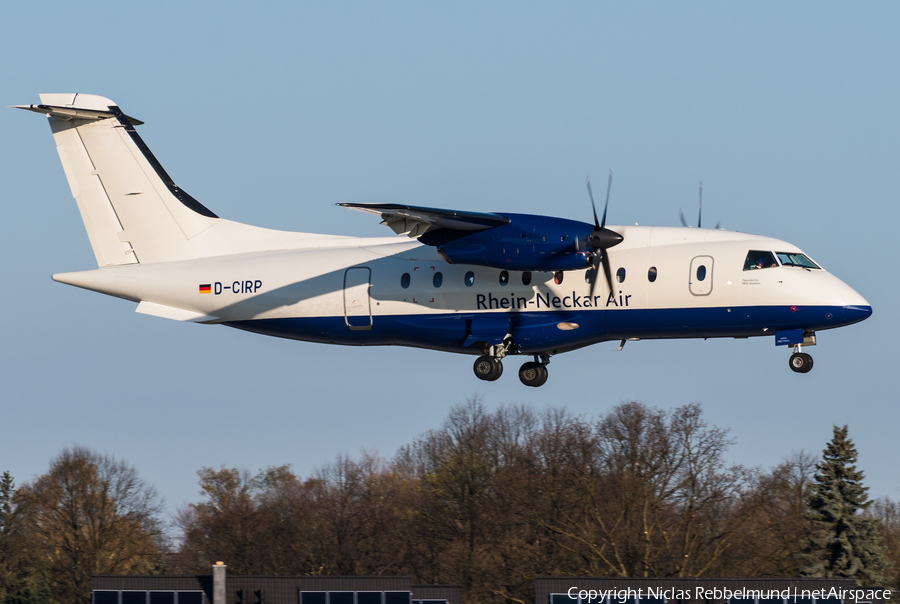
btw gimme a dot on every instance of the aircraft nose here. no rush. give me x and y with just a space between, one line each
842 304
857 313
853 302
854 308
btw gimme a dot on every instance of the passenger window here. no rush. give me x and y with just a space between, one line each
792 259
589 275
526 278
651 274
558 277
701 272
438 279
404 280
620 275
504 277
470 279
757 259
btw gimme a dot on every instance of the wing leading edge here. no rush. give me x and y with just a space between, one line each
415 221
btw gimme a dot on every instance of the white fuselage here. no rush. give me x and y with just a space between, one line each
352 292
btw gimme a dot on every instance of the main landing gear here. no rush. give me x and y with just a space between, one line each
800 361
533 373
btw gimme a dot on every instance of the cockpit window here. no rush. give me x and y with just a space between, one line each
757 259
792 259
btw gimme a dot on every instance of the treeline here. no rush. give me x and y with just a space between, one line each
489 501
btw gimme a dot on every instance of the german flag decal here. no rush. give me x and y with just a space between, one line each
206 288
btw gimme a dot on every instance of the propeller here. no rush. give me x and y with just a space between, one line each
699 213
601 239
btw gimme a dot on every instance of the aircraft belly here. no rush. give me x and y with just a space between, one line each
535 332
736 321
456 332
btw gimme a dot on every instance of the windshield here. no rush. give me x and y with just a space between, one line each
757 259
792 259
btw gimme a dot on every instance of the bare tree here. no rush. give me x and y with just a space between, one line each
227 524
92 514
455 469
356 503
648 492
888 512
774 510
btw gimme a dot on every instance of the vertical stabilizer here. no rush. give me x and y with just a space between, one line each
131 209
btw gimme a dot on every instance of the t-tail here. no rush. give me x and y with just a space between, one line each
131 209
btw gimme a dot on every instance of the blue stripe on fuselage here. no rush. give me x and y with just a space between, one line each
538 331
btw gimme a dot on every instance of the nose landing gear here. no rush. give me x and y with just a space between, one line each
800 362
489 366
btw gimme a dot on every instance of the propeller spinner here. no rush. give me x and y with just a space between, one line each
601 238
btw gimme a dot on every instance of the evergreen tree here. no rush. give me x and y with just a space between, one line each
13 569
20 570
26 596
7 492
841 541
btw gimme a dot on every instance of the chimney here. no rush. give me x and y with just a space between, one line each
219 583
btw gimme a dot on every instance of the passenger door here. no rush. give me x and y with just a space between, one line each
357 307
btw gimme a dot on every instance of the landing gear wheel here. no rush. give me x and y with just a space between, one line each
533 374
488 368
801 362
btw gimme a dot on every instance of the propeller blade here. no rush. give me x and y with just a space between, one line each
681 218
593 207
606 271
700 212
595 264
606 206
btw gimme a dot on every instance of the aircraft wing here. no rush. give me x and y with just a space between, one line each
415 221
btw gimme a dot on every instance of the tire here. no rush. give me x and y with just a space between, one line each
529 373
533 374
801 362
487 368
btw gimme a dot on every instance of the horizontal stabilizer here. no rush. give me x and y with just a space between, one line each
170 312
72 113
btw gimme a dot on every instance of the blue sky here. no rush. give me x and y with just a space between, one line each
272 113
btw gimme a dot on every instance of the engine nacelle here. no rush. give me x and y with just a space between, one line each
527 243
